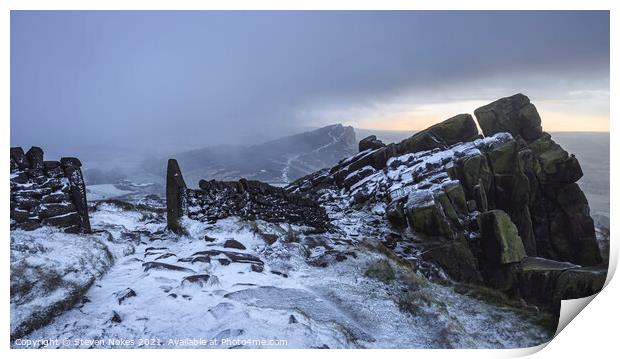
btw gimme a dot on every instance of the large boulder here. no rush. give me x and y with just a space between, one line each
555 165
500 243
460 128
370 142
514 114
425 215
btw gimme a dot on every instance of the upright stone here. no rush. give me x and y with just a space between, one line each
175 196
71 167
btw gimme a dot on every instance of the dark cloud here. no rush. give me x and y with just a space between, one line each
158 79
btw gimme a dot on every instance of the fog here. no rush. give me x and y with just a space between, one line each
155 82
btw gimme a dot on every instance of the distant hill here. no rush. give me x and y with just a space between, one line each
279 161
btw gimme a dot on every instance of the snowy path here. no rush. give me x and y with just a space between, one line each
269 296
334 141
287 168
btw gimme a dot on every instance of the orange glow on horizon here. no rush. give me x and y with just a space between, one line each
553 120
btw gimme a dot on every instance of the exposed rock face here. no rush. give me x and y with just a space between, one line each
244 198
559 211
47 192
484 207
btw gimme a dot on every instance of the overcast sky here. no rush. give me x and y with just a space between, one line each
192 79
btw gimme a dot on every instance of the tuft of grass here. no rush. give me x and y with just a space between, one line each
414 302
404 270
412 280
20 285
380 270
378 247
254 228
416 296
50 281
291 236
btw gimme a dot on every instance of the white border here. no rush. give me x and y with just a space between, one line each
592 333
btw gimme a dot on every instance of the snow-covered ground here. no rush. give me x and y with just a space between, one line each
50 271
310 291
104 191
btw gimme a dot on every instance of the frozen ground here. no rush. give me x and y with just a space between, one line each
50 271
302 291
104 191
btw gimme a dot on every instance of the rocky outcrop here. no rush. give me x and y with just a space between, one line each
544 184
482 207
47 192
460 128
247 199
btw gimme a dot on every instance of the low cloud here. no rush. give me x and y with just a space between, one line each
159 80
